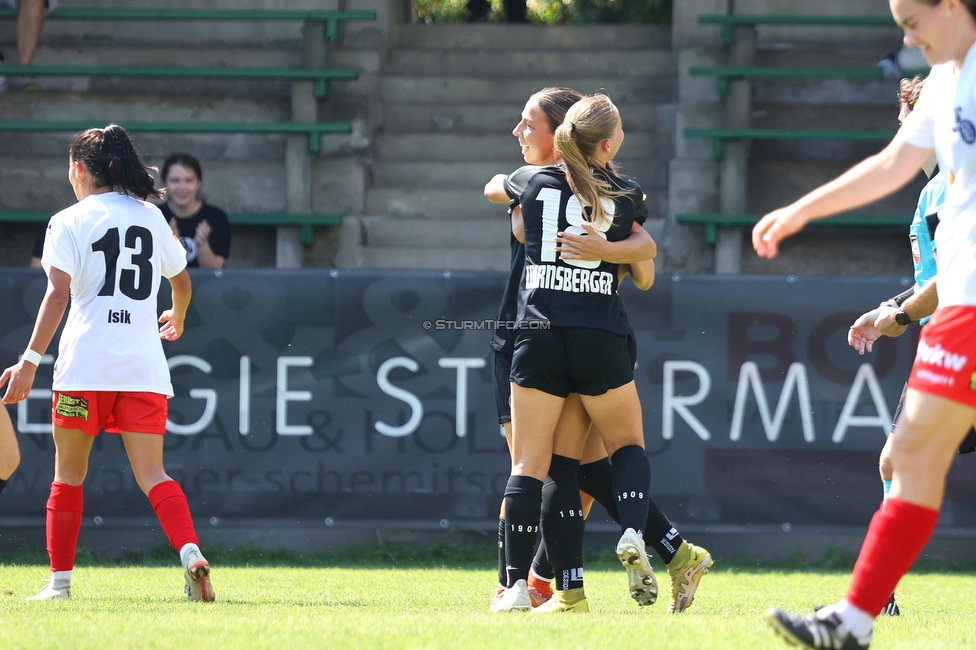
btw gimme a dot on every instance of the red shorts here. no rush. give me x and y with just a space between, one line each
945 364
114 411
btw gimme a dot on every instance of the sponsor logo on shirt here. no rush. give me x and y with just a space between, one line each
121 316
937 357
71 407
940 358
916 251
964 127
564 278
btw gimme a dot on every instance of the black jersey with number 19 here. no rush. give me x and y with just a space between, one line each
571 293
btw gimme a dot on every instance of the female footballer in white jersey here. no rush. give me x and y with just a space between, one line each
108 253
940 403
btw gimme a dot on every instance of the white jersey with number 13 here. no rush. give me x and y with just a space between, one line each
116 249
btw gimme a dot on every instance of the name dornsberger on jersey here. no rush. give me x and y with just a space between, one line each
569 292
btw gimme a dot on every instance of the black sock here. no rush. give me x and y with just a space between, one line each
3 484
501 551
660 534
523 505
562 522
541 566
631 481
596 479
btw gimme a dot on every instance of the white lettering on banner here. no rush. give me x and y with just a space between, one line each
865 375
461 402
24 425
283 396
679 404
244 398
562 278
416 406
796 375
208 394
936 356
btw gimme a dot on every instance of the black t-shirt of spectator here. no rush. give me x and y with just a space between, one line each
187 228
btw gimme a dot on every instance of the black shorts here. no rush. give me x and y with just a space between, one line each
501 378
565 360
968 443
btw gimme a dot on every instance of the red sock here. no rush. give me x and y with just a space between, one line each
64 509
897 534
170 504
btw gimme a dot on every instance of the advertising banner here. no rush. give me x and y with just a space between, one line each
344 396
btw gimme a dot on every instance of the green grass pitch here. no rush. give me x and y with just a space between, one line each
382 602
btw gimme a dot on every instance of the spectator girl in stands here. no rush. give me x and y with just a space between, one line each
107 254
541 116
202 228
940 403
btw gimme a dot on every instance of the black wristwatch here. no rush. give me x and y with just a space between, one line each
902 318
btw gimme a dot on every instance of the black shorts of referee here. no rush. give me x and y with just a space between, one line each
564 360
968 443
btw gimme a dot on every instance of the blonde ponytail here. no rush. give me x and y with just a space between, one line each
588 122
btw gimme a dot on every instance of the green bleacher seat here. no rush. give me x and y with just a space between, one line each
312 129
729 22
712 222
320 76
330 19
720 136
725 74
305 221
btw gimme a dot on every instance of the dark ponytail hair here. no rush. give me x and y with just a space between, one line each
183 160
110 157
554 102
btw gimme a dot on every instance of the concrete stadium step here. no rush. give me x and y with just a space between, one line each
461 203
774 183
432 233
140 107
227 57
454 147
474 175
494 118
204 56
233 146
40 183
816 91
517 63
868 117
405 203
799 57
554 37
468 258
401 89
168 34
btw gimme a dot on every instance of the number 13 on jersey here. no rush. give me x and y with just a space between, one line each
136 283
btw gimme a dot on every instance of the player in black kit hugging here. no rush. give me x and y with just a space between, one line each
572 338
